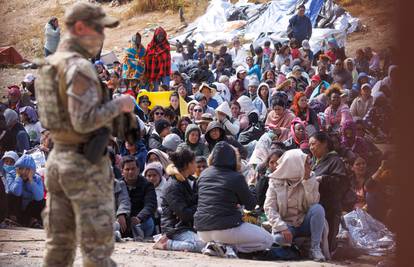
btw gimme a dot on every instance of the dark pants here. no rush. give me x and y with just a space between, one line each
24 216
47 52
3 202
333 219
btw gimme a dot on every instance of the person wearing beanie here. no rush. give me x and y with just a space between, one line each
154 173
171 142
297 135
26 193
192 141
162 129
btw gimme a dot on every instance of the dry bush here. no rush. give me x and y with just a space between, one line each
347 3
142 6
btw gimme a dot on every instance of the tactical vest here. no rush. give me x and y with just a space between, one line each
51 87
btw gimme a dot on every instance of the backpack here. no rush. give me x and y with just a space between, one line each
51 92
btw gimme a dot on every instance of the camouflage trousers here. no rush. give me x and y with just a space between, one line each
79 208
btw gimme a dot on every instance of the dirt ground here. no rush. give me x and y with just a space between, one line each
22 27
25 247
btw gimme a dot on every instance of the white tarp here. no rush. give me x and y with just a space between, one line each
270 19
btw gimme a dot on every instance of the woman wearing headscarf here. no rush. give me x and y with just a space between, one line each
221 189
302 110
291 203
158 59
133 63
297 136
279 118
159 156
330 171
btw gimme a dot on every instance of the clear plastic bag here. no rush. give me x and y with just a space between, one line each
367 234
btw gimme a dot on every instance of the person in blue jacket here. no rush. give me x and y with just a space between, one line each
26 193
300 26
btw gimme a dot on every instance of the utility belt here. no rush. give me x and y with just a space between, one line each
93 150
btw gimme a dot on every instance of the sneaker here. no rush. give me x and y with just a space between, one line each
137 233
118 237
214 249
161 243
317 255
230 253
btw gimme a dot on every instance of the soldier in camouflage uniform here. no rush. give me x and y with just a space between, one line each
80 204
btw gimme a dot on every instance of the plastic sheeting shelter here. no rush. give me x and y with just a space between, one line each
10 56
259 22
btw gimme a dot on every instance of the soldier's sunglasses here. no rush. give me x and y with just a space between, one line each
96 27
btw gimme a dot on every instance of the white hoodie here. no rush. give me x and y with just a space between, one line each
230 124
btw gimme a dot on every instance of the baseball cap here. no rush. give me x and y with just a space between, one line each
316 78
89 13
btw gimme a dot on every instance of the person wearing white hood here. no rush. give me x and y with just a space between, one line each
241 74
291 203
224 116
260 103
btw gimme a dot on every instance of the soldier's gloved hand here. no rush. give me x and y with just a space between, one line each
126 102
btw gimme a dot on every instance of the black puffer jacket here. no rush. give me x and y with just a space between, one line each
220 189
179 203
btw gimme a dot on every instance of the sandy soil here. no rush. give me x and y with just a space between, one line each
30 243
